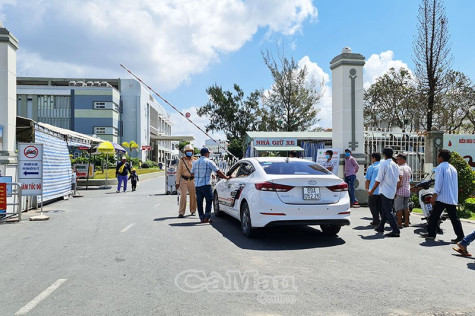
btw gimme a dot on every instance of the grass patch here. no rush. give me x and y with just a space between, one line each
461 214
111 173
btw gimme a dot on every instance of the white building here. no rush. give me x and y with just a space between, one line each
214 148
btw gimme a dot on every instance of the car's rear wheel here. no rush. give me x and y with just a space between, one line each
331 230
217 211
246 224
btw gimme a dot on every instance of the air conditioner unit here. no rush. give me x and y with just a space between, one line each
104 84
72 83
89 83
97 84
80 84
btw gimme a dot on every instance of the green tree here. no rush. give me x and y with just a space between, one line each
232 113
291 102
456 109
181 145
393 100
431 54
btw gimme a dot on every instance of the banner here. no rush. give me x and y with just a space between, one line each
335 158
464 145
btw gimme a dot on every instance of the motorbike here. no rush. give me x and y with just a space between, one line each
425 193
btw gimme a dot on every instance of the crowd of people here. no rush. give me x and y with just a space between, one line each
388 184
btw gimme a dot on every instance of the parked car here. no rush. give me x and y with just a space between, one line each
273 191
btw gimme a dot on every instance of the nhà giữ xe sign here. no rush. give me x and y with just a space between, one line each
275 142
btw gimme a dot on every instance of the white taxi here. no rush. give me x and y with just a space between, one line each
273 191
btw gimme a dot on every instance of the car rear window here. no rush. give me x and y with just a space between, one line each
293 168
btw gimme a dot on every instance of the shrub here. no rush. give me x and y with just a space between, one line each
466 176
151 164
415 200
469 205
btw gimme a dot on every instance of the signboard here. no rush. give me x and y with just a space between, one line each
3 197
83 148
30 168
8 181
81 170
464 145
146 147
275 141
335 158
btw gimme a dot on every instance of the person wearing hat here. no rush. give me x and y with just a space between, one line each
121 172
185 181
201 170
134 177
351 169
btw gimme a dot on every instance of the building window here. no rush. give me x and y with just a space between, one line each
98 130
103 105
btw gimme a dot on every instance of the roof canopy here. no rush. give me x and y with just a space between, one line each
278 148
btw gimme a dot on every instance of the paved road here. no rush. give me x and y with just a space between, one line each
128 254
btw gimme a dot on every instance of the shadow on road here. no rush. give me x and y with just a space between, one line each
275 238
376 236
434 243
161 219
368 227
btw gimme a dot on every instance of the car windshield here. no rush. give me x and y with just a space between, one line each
293 168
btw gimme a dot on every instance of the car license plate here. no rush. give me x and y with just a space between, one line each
311 193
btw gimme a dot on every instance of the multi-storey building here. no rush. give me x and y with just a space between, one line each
117 110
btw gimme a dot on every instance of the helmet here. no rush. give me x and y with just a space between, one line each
188 148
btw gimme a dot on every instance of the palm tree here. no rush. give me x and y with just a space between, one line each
130 146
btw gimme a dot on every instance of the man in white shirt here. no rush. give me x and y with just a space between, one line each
386 180
445 196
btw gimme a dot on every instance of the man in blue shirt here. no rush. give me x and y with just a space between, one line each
445 196
201 170
374 200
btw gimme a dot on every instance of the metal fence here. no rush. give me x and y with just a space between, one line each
411 144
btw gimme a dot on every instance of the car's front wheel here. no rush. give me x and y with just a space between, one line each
217 211
246 224
331 230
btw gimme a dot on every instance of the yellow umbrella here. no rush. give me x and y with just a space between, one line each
106 148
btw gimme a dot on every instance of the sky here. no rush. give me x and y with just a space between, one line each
182 47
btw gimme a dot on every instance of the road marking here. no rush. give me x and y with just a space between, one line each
127 228
28 307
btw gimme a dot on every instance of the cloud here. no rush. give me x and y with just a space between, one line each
320 76
182 126
378 64
164 41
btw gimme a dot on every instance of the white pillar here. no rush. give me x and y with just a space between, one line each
8 107
347 110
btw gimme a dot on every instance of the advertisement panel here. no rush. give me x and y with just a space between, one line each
335 158
81 170
464 145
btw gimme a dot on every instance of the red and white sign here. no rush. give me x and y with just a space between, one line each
188 114
30 168
464 145
146 147
3 197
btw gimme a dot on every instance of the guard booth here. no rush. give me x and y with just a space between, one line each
306 144
171 160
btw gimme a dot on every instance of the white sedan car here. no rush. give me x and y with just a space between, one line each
283 191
